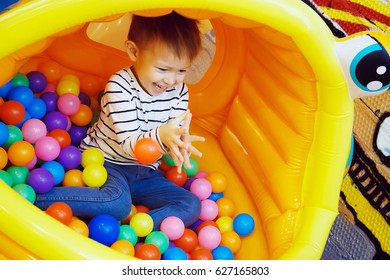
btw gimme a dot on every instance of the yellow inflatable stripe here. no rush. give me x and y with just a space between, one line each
371 218
378 6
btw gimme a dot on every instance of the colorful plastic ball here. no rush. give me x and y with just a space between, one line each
79 226
147 151
56 169
18 173
37 108
231 240
104 229
47 148
222 253
77 134
243 224
54 120
26 117
62 136
84 99
50 100
33 129
92 156
218 181
90 85
21 153
209 237
25 191
168 160
4 133
68 104
174 254
123 246
94 175
206 223
174 176
216 196
41 180
5 89
3 158
225 223
188 183
173 227
15 135
67 86
201 188
201 254
209 210
193 169
6 178
226 207
37 81
195 225
159 239
188 241
20 79
60 211
148 252
83 116
69 157
73 178
51 70
142 209
128 233
12 112
142 223
21 94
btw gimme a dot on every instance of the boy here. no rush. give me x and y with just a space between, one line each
148 99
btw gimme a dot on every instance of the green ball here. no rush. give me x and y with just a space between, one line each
159 239
126 232
26 191
193 170
169 160
20 80
19 174
6 178
15 135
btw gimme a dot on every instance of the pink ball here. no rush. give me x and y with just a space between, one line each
209 210
202 174
209 237
173 227
32 163
47 148
201 187
68 104
33 129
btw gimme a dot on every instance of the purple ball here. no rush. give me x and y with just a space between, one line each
84 98
41 180
69 157
38 81
77 134
50 99
54 120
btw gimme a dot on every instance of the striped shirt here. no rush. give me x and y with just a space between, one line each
128 114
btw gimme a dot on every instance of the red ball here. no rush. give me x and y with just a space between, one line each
148 251
188 241
201 254
12 112
147 151
178 178
61 212
62 137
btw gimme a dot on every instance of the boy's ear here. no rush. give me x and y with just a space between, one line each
132 50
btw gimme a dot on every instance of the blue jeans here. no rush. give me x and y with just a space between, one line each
127 185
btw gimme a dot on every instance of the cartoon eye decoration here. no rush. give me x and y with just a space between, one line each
366 65
381 139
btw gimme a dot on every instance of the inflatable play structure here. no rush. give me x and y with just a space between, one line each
276 108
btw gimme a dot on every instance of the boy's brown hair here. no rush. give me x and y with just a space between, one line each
175 31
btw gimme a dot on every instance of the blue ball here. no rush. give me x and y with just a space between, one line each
216 196
104 229
5 89
174 253
56 169
222 253
37 108
243 224
22 94
4 133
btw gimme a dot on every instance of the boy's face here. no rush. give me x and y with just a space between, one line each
157 67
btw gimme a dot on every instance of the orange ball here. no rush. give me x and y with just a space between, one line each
206 223
51 70
73 178
61 212
188 241
142 209
79 226
201 254
133 211
218 181
231 240
148 251
124 247
147 151
226 207
62 137
3 158
83 116
90 85
21 153
12 112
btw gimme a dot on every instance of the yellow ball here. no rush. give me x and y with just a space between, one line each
225 223
92 156
142 223
67 86
226 207
94 175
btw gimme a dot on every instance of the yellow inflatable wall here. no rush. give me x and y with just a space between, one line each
274 107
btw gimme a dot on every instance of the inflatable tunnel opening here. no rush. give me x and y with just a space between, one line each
263 93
